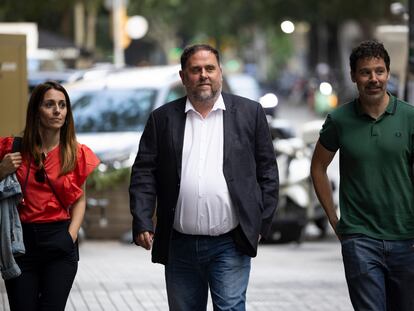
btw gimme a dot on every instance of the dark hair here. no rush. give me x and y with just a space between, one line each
190 50
32 141
369 49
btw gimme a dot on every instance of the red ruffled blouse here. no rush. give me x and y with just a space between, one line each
40 203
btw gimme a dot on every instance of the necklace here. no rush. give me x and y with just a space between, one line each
45 151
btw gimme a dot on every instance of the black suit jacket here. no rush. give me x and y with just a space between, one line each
249 167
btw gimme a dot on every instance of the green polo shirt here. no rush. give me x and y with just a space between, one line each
376 193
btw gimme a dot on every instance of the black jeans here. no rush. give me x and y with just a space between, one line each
48 268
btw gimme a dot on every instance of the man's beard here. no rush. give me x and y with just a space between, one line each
206 96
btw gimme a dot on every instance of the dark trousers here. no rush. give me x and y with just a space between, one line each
48 269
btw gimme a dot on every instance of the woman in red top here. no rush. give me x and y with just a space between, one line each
52 168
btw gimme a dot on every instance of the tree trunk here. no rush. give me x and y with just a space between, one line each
90 43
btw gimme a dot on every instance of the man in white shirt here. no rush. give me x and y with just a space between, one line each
207 162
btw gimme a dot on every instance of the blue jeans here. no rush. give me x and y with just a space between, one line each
198 262
379 273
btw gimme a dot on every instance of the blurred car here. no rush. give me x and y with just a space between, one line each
36 77
245 85
44 60
44 65
110 114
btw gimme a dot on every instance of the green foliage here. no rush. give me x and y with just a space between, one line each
53 15
225 24
230 23
280 49
215 18
323 11
47 13
101 181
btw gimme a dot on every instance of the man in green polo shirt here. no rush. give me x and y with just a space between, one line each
375 137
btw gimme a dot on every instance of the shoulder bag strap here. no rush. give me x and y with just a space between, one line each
17 147
17 144
53 190
47 177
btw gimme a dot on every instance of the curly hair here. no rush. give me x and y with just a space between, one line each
369 49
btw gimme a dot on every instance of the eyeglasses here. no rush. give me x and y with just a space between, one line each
40 175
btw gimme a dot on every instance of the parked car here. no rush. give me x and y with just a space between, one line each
245 85
110 114
43 65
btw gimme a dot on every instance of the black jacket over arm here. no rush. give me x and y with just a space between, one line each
249 167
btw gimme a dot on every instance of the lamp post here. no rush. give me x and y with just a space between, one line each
118 10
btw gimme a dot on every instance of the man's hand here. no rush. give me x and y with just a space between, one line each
10 164
144 239
334 223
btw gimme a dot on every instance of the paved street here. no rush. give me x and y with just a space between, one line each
309 276
114 276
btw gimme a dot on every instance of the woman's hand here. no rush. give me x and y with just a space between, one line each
10 164
74 235
77 212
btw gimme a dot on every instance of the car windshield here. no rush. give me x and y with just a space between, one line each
112 110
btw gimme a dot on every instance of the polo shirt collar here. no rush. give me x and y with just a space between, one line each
391 107
219 104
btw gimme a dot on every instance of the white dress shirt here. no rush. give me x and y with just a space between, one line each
204 206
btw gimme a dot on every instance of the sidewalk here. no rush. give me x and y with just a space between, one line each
305 277
114 276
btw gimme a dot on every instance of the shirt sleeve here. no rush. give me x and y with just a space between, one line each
328 135
6 144
87 161
69 186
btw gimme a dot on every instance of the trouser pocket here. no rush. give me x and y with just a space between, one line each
53 240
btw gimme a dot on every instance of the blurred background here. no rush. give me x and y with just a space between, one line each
285 45
119 60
